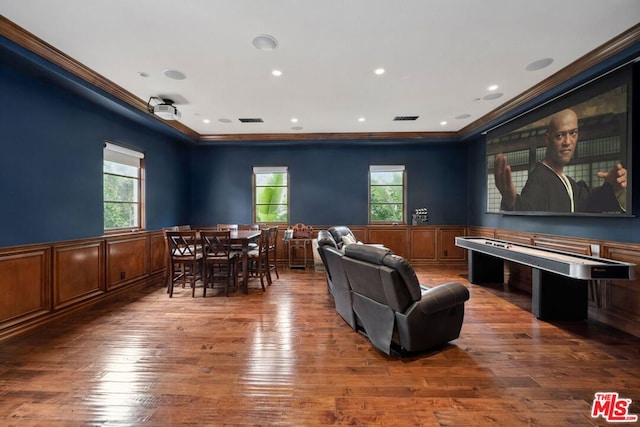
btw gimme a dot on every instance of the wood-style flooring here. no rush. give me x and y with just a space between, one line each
285 358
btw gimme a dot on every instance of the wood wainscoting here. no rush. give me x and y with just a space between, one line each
420 244
612 302
42 282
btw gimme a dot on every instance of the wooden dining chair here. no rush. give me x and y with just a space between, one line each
219 261
254 227
258 263
185 250
272 251
176 269
230 227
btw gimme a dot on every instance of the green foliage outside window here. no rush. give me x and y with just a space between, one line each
387 196
121 195
271 197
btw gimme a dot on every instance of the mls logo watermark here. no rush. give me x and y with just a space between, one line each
612 408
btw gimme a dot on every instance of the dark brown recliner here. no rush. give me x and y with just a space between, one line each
397 314
338 232
336 279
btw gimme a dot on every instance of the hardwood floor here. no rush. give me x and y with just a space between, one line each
284 357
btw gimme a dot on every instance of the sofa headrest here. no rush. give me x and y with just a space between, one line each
326 239
338 231
383 256
372 254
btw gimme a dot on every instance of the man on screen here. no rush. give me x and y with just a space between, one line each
548 189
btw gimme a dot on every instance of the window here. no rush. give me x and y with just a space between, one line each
271 194
123 188
386 193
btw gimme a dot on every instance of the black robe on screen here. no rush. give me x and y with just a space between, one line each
545 192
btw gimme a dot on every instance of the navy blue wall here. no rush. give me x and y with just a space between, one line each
52 127
329 182
51 161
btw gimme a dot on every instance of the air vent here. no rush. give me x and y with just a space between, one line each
405 118
252 120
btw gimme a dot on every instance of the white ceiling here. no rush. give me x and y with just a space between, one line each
440 56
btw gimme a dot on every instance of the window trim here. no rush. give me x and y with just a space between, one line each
388 168
119 154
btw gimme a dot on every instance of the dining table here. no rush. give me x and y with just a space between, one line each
242 239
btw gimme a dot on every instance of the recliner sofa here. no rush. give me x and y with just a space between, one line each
337 282
378 294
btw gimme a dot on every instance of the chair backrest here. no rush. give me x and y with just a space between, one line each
230 227
382 276
183 244
263 242
325 240
248 227
215 244
301 231
273 238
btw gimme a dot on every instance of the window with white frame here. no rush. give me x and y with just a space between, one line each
386 193
123 171
271 194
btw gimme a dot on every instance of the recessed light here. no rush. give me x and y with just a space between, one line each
206 121
493 87
223 120
265 42
442 123
361 119
539 64
463 116
379 71
296 128
276 73
294 120
174 74
143 74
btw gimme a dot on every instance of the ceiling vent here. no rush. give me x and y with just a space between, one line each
252 120
405 118
163 108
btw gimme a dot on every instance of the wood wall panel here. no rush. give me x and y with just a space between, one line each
447 249
78 272
423 244
620 299
127 260
42 283
392 237
24 284
158 252
481 232
565 244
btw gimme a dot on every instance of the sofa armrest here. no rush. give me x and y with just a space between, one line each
442 297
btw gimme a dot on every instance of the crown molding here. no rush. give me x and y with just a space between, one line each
34 44
596 56
41 48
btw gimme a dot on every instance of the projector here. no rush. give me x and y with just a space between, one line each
166 111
